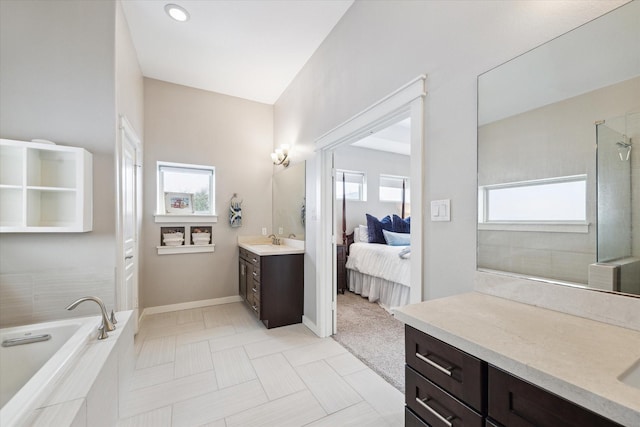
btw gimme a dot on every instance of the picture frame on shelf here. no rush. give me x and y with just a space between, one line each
178 203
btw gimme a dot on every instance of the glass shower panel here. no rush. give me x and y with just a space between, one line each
614 194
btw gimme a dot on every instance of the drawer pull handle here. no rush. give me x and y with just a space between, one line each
254 259
423 403
254 290
255 274
441 368
254 308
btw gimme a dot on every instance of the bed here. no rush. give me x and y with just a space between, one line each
377 272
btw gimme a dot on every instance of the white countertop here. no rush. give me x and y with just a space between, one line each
576 358
262 246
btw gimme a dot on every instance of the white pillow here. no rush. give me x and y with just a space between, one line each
363 234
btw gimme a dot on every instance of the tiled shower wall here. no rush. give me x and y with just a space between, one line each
41 296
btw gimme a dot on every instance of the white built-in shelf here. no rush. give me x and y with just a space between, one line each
45 188
185 249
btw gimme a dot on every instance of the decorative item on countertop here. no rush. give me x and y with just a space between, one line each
235 212
201 235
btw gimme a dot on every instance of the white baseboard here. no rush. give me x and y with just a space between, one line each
188 305
310 324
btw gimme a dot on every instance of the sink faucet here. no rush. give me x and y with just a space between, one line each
274 239
292 236
107 325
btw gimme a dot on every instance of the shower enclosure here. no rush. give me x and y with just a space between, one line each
618 195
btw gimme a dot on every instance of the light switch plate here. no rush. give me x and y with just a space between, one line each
441 210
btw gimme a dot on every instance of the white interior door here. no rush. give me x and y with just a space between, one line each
130 179
334 251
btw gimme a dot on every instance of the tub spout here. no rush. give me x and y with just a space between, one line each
107 325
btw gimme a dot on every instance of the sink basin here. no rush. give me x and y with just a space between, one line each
632 375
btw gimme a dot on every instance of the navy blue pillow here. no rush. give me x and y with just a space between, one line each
401 225
375 227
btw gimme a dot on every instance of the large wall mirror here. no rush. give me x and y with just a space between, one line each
288 200
559 158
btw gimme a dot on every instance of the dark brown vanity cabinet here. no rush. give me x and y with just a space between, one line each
515 402
273 286
448 387
444 386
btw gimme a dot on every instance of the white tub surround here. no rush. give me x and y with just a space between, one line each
576 358
262 246
88 392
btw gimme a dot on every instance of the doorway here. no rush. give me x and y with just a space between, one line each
408 101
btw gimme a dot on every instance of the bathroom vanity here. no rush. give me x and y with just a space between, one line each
272 282
477 360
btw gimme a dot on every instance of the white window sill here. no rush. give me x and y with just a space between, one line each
203 219
542 227
185 249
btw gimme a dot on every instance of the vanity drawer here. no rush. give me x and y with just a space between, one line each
254 273
253 259
254 289
514 402
435 406
412 420
255 304
457 372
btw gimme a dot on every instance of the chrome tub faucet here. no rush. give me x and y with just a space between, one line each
107 324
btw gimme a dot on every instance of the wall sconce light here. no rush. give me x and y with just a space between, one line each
281 156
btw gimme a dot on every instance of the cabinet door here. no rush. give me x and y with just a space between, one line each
516 403
243 278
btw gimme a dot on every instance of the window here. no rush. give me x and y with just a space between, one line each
199 181
355 185
561 199
391 188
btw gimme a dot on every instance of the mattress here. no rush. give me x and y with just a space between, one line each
380 261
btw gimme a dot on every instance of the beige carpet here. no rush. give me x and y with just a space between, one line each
373 336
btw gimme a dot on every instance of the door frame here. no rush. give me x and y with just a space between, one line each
407 101
127 133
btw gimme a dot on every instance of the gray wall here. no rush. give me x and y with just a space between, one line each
378 47
186 125
373 163
58 82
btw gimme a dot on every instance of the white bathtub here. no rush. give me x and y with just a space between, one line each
29 372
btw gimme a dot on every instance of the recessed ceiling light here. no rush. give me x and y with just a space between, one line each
176 12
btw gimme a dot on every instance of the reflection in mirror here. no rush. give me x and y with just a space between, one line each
558 174
288 199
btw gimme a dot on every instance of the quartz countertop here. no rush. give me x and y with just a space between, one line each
262 246
573 357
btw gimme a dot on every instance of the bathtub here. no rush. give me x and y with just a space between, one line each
29 372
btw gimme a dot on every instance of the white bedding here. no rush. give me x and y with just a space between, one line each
381 261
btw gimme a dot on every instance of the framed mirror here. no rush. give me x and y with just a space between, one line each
559 158
288 201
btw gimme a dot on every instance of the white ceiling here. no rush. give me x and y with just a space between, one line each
395 138
251 49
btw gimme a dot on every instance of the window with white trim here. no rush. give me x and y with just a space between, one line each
391 188
355 185
558 200
195 180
